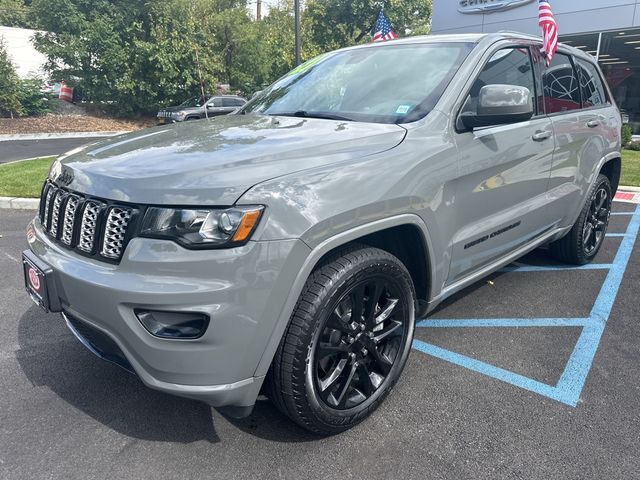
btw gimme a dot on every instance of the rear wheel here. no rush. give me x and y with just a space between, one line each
585 238
347 342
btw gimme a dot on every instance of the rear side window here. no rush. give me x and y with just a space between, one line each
560 85
593 92
508 66
229 102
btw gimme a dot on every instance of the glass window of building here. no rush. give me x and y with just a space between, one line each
618 54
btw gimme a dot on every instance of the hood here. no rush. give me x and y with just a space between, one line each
213 162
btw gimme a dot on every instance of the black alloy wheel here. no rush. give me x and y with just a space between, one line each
597 219
581 244
347 342
359 343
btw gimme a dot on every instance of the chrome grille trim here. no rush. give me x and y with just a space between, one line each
89 226
69 219
55 213
115 231
47 204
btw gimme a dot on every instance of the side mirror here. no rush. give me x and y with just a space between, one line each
500 105
210 106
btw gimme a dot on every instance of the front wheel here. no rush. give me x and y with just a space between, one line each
347 342
585 238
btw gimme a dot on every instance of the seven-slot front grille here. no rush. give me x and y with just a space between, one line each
92 226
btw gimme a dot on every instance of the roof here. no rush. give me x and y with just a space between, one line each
473 38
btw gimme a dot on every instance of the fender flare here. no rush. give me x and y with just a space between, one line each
322 249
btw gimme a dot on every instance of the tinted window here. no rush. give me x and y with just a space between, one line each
560 85
593 92
230 102
216 102
510 66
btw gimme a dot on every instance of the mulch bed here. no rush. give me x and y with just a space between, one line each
53 123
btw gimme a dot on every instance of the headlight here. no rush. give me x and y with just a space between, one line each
202 228
181 113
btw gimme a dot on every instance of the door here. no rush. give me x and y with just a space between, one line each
501 200
579 108
215 107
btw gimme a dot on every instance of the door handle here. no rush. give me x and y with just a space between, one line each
541 135
593 123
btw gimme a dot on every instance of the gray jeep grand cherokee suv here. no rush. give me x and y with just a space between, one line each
291 246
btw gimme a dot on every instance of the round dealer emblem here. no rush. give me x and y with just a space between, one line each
34 279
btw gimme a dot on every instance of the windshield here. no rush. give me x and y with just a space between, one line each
194 102
389 84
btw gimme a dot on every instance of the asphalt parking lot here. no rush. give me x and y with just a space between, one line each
21 149
531 373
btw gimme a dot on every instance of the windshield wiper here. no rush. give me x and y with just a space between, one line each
307 114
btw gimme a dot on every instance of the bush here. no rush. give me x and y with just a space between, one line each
9 85
33 101
635 146
627 134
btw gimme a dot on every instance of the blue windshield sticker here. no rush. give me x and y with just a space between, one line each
403 109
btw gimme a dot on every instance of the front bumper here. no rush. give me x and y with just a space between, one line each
243 290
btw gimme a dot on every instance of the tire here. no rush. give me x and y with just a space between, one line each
330 372
585 238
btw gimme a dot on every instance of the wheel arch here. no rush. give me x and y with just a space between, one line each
380 234
612 168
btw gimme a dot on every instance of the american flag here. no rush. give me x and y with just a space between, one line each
549 30
383 29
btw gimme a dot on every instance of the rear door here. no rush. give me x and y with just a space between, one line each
501 200
585 129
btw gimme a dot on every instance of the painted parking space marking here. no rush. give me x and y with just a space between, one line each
571 382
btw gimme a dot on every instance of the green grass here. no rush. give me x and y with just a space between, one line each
24 179
630 169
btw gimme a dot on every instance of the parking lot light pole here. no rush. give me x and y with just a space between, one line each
296 13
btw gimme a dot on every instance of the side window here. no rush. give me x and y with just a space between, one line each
228 102
560 85
510 66
238 102
216 102
593 92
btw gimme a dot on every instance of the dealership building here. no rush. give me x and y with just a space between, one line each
607 29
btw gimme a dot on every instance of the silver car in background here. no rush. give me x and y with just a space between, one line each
289 248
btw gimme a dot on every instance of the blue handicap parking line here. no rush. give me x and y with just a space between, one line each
572 380
502 322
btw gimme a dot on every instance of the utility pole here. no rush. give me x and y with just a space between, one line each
204 98
258 10
296 8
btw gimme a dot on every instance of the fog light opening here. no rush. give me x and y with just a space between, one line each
173 325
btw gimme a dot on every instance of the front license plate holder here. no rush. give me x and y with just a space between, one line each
40 283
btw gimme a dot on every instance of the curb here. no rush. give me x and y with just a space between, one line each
19 203
629 189
53 136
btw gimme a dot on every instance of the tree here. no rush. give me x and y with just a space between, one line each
341 23
130 56
9 85
16 13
